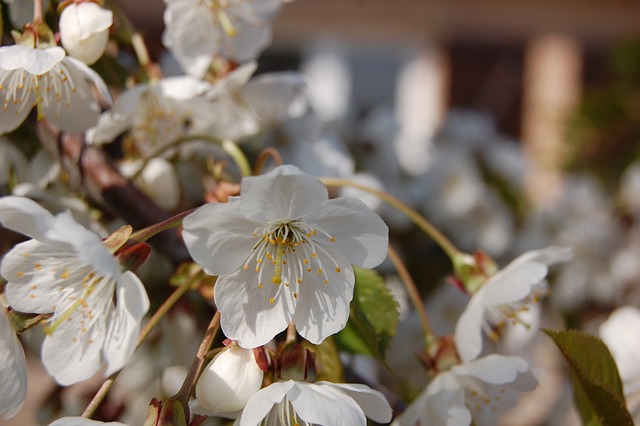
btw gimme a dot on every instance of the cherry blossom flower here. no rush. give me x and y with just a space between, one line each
284 252
473 391
13 369
66 271
156 113
620 333
56 83
505 294
228 382
322 403
84 30
196 31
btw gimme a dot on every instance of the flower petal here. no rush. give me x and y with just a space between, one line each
498 370
285 193
262 402
246 312
468 332
323 308
13 370
34 61
82 421
359 232
325 405
372 402
23 215
124 322
14 112
219 237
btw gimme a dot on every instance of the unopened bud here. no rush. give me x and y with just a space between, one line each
84 30
229 380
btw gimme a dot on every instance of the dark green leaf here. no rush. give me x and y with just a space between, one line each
598 391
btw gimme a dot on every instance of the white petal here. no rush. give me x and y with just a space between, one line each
119 118
13 370
323 309
468 332
372 402
25 216
513 283
325 405
285 193
92 77
359 232
246 312
34 61
84 30
498 370
219 237
276 96
14 113
261 403
70 354
124 322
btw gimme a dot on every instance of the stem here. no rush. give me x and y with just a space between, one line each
262 159
153 321
416 217
227 145
144 234
198 362
140 47
37 12
292 335
414 295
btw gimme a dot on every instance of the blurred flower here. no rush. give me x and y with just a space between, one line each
158 180
284 225
157 114
67 271
82 421
470 392
197 31
84 30
503 297
21 11
230 379
56 83
13 369
322 403
13 164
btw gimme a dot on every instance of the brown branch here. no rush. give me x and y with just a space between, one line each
91 170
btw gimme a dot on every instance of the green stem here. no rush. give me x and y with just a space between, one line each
414 295
153 321
227 145
144 234
198 362
416 217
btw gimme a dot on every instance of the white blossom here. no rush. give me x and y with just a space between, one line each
196 31
84 30
56 83
66 271
327 404
284 252
473 391
503 296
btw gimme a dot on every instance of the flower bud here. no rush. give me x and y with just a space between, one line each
84 30
229 380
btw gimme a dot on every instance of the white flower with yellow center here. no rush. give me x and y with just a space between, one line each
284 252
475 391
504 297
66 271
292 403
47 78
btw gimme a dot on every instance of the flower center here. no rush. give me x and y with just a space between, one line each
283 414
294 250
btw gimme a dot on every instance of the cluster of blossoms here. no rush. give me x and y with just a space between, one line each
277 254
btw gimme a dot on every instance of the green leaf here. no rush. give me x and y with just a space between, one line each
374 316
597 387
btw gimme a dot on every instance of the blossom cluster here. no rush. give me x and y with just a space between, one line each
199 190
